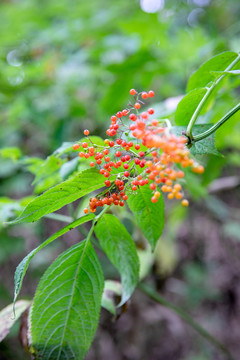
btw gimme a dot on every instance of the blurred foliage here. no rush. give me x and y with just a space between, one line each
68 65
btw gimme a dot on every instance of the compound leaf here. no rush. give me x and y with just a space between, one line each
66 306
149 216
188 105
62 194
203 76
121 251
23 266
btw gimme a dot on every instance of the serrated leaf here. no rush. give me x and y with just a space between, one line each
6 316
23 266
203 76
121 251
204 146
62 194
188 105
149 216
65 311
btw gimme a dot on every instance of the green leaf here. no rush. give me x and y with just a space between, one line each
13 153
149 216
188 105
203 76
62 194
23 266
6 316
121 251
204 146
66 306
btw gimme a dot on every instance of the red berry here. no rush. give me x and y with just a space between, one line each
106 174
107 158
152 186
132 92
92 164
137 161
141 153
118 153
119 114
84 145
76 146
106 151
144 115
126 173
133 117
125 197
151 111
137 146
130 143
111 143
125 112
134 188
127 157
86 156
126 166
151 93
132 127
99 161
86 132
144 95
154 199
113 119
81 154
119 141
137 106
108 183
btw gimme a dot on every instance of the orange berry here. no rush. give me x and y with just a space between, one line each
86 132
185 202
85 211
132 92
76 146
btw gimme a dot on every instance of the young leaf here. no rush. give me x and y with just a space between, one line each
149 216
23 266
121 250
203 76
6 316
65 311
62 194
204 146
188 105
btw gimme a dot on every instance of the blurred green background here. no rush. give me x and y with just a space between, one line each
68 65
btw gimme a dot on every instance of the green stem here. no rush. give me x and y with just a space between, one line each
156 297
205 98
217 125
95 222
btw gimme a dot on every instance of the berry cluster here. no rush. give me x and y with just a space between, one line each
144 152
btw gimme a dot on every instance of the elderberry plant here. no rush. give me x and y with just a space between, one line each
144 157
